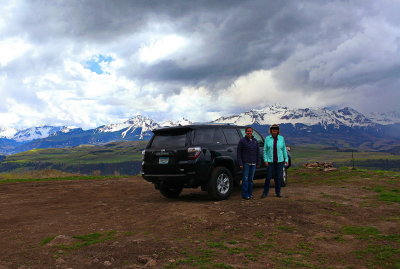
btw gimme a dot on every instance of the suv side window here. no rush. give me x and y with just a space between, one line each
209 136
256 135
219 137
232 136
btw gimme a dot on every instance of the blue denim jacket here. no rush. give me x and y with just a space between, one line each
269 149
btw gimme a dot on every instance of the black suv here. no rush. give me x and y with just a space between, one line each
197 156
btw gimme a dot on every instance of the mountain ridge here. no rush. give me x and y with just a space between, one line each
270 114
344 123
309 116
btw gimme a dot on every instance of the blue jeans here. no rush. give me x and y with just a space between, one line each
247 180
274 170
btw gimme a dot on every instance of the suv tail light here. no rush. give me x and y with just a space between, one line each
194 153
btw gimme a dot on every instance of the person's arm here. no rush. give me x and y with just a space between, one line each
265 151
285 155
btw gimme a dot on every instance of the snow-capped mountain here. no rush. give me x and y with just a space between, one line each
39 132
300 125
181 122
8 133
308 116
144 125
138 125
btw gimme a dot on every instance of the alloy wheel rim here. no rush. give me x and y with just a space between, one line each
223 183
284 175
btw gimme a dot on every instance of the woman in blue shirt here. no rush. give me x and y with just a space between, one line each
275 158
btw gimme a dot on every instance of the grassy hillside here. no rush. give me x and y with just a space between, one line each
112 158
85 154
340 157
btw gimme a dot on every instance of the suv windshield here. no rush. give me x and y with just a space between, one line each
171 139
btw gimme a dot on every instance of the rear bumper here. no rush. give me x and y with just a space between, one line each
187 180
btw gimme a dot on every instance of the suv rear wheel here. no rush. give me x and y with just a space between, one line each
170 192
221 183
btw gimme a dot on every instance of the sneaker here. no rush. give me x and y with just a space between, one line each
264 195
278 195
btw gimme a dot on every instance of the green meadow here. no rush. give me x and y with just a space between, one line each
124 158
344 157
114 152
116 158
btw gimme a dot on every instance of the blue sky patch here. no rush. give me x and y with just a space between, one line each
94 63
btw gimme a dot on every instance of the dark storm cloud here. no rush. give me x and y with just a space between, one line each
309 46
247 37
237 36
103 19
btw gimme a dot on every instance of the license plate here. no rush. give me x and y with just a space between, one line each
163 160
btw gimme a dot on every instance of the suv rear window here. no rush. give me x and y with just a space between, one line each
173 139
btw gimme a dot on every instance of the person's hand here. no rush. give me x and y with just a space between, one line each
266 164
241 167
286 164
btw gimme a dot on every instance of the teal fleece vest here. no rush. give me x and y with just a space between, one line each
269 149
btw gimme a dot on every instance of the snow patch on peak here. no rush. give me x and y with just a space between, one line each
280 114
135 122
67 129
181 122
130 126
6 132
36 133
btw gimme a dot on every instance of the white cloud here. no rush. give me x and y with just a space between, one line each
159 48
12 48
261 87
196 104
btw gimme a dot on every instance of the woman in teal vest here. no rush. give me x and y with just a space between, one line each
275 158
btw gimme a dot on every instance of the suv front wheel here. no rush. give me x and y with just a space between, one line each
221 183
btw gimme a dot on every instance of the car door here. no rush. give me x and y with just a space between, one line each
232 139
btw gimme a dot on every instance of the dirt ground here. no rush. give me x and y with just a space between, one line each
126 223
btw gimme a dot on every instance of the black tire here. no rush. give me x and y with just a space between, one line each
220 185
284 177
170 192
